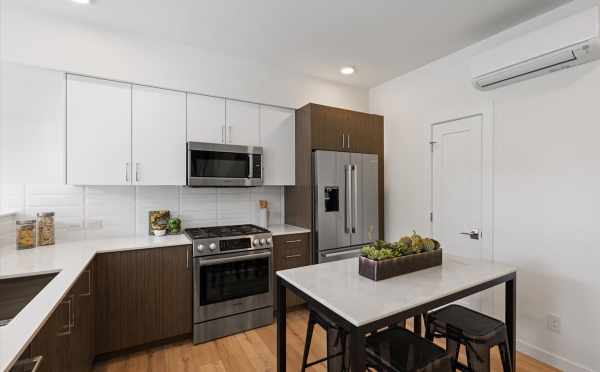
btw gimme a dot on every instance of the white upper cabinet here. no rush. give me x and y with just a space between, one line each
98 132
205 119
277 137
159 136
243 123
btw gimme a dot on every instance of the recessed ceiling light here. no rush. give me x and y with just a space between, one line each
347 70
86 2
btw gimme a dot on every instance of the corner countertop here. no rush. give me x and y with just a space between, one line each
68 260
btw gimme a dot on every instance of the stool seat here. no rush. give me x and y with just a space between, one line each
478 332
399 350
473 324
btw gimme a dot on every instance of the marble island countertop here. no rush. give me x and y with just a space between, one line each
68 260
360 300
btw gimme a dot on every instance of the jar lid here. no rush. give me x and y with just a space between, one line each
45 214
25 222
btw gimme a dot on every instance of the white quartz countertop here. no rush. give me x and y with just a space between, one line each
68 259
338 286
287 230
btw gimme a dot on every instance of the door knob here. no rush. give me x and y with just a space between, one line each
473 234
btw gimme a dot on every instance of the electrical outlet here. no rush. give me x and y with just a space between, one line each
553 323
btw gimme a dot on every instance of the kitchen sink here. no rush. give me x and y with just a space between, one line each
16 293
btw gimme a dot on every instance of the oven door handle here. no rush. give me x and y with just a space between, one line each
216 261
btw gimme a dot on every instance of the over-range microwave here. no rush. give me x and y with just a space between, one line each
215 164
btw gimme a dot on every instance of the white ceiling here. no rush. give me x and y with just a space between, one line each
381 38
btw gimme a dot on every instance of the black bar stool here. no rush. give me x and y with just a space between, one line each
399 350
314 318
478 332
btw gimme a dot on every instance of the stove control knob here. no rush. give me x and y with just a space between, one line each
269 241
212 246
263 242
200 247
256 242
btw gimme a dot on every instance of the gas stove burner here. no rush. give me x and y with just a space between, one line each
224 231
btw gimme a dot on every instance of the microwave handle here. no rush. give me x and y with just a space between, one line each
251 166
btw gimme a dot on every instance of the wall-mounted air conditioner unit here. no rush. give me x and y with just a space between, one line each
570 42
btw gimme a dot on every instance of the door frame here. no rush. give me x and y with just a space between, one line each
486 111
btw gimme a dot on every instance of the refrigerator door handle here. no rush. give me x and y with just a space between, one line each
347 197
355 198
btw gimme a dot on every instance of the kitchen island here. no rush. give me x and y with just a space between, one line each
360 305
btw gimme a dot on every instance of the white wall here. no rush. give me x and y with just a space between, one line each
545 191
53 43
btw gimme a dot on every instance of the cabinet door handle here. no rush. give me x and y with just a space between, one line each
222 134
187 258
26 364
294 241
343 141
348 142
137 172
293 256
229 133
89 292
69 324
127 172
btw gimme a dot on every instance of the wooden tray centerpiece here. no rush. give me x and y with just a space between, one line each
382 260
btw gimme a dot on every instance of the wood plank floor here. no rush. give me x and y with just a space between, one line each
252 351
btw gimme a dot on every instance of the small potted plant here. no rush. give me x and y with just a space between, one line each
382 260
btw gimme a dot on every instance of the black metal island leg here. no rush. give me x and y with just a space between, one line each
358 360
281 326
510 308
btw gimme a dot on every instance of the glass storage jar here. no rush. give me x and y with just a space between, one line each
45 228
25 234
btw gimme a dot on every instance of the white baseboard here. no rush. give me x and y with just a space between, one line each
550 358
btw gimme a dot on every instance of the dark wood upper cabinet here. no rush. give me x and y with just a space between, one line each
321 127
330 128
337 129
143 296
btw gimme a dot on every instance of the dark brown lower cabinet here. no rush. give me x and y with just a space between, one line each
143 296
290 251
65 342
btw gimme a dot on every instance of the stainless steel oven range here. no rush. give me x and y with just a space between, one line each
233 289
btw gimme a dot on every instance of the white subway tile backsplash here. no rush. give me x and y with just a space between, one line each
273 195
13 197
150 198
7 230
234 206
109 210
198 207
64 200
103 211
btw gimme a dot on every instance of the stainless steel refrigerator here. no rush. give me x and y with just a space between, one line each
346 210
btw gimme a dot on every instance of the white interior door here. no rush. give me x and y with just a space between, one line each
457 189
159 136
